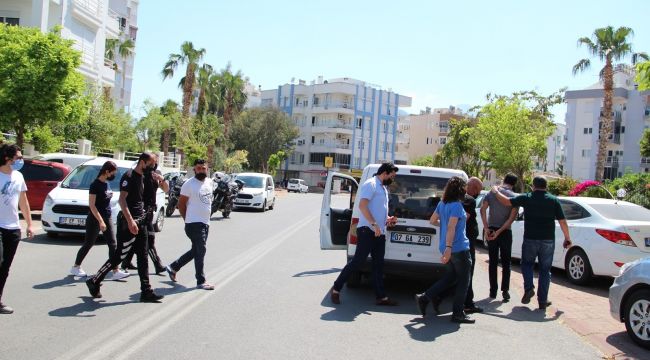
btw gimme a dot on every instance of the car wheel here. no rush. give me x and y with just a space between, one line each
160 221
577 267
169 211
637 317
272 205
264 206
354 281
52 234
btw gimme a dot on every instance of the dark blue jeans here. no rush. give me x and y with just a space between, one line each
198 234
543 251
457 271
367 244
9 240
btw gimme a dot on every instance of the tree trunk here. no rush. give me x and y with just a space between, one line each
211 156
606 120
20 135
165 141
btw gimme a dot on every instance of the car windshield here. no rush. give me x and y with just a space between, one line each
252 181
84 175
293 181
415 197
622 212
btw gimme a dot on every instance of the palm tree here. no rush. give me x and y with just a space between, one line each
228 96
203 83
124 49
190 56
608 45
169 111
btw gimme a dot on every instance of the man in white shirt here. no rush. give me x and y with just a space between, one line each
13 194
195 206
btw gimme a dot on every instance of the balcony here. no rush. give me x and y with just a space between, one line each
88 12
332 125
336 165
343 107
113 25
611 161
331 146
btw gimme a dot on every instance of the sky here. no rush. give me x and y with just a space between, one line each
440 54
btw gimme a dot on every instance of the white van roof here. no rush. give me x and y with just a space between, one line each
64 155
422 170
101 160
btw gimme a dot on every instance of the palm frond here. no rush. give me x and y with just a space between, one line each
637 57
581 66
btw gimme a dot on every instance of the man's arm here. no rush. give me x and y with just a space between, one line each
435 219
133 227
484 207
363 206
506 225
567 236
182 205
500 197
27 213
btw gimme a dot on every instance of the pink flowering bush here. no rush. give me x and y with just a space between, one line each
582 187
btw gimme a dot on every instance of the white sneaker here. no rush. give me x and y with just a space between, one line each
77 271
117 275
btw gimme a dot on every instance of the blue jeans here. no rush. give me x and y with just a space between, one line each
367 244
198 234
543 251
457 271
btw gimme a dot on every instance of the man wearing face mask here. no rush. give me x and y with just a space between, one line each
152 181
13 194
195 205
131 223
371 233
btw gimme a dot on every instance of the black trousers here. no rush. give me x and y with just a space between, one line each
125 241
9 240
501 247
92 232
151 247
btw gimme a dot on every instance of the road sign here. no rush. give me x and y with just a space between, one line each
329 162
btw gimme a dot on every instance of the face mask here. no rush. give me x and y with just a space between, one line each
110 178
148 169
201 176
18 164
387 182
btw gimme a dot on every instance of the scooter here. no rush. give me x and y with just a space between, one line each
224 194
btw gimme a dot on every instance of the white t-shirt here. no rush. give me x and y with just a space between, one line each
199 204
10 188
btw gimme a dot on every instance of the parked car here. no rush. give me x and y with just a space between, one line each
629 300
72 160
258 192
66 207
411 245
297 185
41 177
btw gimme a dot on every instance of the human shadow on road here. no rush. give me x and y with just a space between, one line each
175 288
429 329
88 305
68 240
317 272
66 281
522 313
627 348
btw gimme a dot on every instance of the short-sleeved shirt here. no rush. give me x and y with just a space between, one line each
134 185
541 209
446 211
103 195
499 213
471 227
150 189
377 195
11 185
199 203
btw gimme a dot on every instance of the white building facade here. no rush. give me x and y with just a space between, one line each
631 117
353 122
88 23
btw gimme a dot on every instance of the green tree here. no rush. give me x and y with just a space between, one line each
190 57
275 160
227 97
170 121
203 130
426 160
461 150
262 132
643 75
236 161
608 45
149 130
39 84
645 143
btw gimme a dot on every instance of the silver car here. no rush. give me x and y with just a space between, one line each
629 300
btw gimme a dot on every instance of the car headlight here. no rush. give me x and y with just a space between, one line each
48 201
258 194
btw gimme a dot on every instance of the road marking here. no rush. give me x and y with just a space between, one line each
148 325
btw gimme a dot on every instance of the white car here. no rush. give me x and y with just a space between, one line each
605 233
66 207
72 160
258 192
297 185
411 245
629 300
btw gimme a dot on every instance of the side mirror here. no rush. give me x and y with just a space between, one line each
269 188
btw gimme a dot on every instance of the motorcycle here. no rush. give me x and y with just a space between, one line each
173 195
224 194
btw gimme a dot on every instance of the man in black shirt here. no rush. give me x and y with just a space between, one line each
131 223
152 181
474 187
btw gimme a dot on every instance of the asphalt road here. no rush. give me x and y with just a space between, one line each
270 302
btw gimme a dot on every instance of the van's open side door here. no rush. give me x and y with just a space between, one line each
336 211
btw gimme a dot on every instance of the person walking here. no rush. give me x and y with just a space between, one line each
454 246
152 181
541 209
371 233
474 187
195 204
13 194
499 236
99 219
131 223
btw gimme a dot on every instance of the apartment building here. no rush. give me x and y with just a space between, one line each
88 23
349 120
554 161
631 117
427 132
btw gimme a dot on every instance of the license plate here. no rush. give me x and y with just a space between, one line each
72 221
406 238
647 242
242 202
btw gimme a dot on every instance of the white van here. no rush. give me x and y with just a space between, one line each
411 245
258 192
297 185
72 160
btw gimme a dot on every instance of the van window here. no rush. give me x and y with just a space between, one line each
33 172
293 181
415 197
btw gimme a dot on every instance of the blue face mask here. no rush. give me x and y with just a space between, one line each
18 164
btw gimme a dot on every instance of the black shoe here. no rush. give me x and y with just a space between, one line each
527 296
493 294
421 302
4 309
462 319
149 296
161 271
435 302
130 267
506 297
94 289
544 306
473 309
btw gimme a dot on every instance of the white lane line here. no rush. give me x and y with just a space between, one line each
150 324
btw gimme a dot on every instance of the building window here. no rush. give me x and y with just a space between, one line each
10 20
313 139
622 129
586 153
443 140
588 130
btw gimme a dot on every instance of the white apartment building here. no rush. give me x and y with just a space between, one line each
555 147
352 121
631 117
427 132
88 23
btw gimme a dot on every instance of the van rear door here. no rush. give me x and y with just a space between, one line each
336 211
